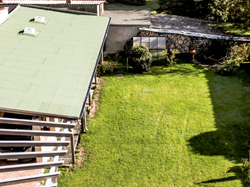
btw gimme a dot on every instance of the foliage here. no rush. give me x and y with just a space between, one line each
240 53
235 28
239 13
246 168
218 10
140 58
107 67
170 56
152 4
229 68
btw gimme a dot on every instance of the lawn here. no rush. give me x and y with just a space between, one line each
186 128
152 4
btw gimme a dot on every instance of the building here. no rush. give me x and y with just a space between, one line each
48 61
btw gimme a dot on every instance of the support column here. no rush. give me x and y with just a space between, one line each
89 98
95 77
102 54
84 121
37 138
98 9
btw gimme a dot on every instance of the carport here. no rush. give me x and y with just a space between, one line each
48 60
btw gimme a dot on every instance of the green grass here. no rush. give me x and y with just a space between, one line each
231 28
185 128
152 4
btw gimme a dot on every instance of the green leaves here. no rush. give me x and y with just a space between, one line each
140 58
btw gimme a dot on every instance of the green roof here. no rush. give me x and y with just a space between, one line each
49 73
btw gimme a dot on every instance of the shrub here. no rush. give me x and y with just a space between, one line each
229 68
239 54
140 58
107 67
170 56
246 169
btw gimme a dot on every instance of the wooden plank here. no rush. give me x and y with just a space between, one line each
33 143
22 167
36 123
23 155
33 133
31 178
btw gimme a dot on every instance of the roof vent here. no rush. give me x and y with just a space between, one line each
30 31
39 19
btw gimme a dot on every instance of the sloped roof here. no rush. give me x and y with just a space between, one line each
49 74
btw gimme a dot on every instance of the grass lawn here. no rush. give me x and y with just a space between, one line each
152 4
186 128
231 28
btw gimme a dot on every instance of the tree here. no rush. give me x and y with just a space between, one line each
239 13
140 58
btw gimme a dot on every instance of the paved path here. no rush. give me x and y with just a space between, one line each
164 21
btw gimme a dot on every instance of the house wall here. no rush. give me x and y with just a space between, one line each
118 36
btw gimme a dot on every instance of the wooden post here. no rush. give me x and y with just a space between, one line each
89 98
95 77
37 138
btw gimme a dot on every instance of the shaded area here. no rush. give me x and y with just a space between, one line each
230 97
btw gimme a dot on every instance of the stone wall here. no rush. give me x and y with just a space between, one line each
180 42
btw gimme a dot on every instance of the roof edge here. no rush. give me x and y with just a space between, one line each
26 112
60 10
93 74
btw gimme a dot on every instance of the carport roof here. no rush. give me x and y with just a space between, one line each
50 73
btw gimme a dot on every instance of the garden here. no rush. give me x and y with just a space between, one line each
156 127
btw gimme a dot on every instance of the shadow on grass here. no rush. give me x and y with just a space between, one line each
230 99
238 175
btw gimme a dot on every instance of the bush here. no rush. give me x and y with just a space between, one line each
140 58
170 56
239 54
107 67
